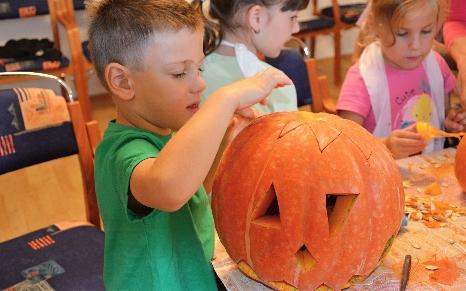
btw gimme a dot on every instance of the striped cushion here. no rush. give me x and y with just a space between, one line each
34 127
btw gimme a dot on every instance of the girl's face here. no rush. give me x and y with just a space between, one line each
275 29
413 38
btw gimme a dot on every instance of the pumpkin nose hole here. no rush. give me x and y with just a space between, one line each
304 258
273 209
338 209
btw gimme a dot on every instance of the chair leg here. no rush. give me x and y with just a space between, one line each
312 46
337 58
80 82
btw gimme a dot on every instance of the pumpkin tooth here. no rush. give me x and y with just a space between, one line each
304 258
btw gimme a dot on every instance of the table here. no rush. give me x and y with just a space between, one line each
433 241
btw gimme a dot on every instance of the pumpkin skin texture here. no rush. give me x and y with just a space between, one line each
306 200
460 164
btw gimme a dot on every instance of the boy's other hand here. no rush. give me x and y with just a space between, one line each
405 142
455 120
255 89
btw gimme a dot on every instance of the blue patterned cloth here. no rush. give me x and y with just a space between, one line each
28 8
21 147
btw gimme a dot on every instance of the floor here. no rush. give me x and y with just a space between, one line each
33 197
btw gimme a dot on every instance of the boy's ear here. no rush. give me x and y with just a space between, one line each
119 82
255 17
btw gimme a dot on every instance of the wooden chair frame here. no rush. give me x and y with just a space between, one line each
87 136
335 30
76 69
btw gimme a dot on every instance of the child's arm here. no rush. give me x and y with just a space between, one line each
401 142
168 181
239 122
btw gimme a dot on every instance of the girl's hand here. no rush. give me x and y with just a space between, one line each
405 142
455 121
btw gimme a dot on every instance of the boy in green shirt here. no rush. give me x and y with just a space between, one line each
158 224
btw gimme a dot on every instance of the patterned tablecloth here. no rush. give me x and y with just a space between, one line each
435 240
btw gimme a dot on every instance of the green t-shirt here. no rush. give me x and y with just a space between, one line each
159 251
220 70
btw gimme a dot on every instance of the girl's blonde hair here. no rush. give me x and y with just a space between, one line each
388 14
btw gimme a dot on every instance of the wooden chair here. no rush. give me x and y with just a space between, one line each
38 126
65 10
77 66
310 29
318 85
345 16
321 99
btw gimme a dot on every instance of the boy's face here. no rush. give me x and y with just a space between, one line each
169 86
413 39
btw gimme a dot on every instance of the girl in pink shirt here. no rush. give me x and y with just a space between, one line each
399 80
454 34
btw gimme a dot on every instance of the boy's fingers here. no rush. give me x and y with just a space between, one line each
275 78
247 112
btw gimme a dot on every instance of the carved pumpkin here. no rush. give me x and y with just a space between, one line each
460 163
305 200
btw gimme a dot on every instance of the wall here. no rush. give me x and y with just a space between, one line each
38 27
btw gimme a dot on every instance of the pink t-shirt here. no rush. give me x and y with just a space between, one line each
409 94
455 26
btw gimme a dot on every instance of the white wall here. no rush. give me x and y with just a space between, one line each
39 27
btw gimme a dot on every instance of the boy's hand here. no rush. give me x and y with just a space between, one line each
241 119
455 120
255 89
405 142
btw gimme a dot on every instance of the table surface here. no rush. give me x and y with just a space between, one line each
431 240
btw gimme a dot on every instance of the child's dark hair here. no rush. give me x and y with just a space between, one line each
120 30
224 12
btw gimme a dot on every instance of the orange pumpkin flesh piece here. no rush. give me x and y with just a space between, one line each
307 200
460 164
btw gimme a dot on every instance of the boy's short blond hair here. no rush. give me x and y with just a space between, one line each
120 30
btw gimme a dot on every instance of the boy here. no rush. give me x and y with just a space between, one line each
158 222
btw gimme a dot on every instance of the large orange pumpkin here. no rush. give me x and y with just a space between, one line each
460 163
307 200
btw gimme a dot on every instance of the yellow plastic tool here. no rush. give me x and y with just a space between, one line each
428 132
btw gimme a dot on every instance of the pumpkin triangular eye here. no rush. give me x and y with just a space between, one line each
325 134
338 209
268 205
290 126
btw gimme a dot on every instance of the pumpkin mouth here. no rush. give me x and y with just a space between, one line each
304 258
338 210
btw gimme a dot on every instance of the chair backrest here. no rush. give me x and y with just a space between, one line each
38 126
321 99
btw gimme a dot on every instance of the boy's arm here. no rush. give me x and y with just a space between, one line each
168 181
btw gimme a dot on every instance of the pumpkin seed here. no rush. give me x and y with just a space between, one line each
416 246
450 241
431 267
